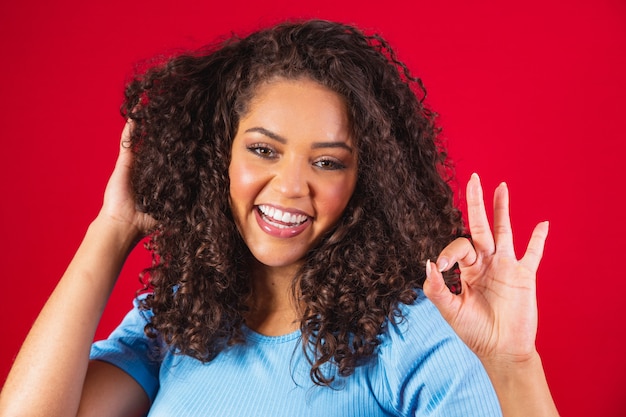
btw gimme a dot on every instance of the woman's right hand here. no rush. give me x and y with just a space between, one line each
119 206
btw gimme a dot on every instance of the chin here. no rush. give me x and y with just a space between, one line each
281 262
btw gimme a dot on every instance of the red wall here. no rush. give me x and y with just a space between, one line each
531 93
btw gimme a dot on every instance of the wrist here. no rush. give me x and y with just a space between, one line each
521 385
511 362
122 236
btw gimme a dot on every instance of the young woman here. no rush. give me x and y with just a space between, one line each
295 192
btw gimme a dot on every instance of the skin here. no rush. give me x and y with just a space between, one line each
495 314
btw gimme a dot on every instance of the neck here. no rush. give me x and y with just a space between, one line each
273 310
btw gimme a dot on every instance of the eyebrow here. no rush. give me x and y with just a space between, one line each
316 145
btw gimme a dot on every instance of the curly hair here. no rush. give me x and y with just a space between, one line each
186 112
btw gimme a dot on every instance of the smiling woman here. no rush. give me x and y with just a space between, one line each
294 191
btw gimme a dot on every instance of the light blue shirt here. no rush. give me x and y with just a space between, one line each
421 369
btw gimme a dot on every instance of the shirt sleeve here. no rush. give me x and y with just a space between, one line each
429 371
128 348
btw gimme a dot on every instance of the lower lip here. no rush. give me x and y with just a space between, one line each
272 230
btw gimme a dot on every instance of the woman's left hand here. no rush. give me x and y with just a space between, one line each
496 312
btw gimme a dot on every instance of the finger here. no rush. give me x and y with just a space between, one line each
438 293
502 230
477 216
125 155
534 251
125 141
459 250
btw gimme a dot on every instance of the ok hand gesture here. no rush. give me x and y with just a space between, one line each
496 312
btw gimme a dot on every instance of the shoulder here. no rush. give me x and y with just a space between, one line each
418 324
426 366
130 349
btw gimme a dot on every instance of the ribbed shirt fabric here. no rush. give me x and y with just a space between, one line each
421 369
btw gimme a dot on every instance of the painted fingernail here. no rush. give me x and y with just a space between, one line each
428 269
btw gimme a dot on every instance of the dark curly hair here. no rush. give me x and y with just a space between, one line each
186 112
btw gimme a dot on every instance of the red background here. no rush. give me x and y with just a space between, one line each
529 92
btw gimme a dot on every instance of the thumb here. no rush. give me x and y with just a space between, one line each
438 293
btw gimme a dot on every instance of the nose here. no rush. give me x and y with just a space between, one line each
291 177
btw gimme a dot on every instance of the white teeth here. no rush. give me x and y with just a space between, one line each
283 217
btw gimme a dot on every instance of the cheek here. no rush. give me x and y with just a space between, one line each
336 198
241 184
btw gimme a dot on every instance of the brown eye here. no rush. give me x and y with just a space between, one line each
262 151
329 164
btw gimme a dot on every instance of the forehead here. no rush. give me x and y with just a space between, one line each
297 106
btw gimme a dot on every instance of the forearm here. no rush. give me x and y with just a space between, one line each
521 387
48 373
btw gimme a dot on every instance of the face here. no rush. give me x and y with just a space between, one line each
293 169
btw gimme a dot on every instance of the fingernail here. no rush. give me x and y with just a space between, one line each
428 269
442 264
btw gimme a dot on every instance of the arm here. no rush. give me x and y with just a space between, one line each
496 312
49 372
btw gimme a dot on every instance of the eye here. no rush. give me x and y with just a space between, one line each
329 164
262 150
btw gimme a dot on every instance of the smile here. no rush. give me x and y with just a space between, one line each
279 223
281 219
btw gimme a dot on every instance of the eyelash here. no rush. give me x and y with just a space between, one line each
262 150
267 152
332 164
